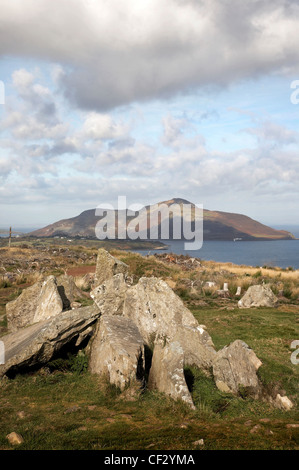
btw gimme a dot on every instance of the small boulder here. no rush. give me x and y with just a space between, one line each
107 266
235 367
283 402
258 296
15 439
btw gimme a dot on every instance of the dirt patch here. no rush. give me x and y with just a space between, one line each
81 270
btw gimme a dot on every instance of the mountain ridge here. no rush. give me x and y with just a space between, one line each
217 225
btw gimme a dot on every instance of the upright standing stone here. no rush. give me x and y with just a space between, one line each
49 303
107 266
167 372
117 351
36 303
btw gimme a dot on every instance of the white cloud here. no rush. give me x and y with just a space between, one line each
113 53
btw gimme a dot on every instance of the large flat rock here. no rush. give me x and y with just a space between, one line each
36 344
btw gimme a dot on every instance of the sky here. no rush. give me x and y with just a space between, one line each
150 100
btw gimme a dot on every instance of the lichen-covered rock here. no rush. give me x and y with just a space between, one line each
107 266
235 368
110 295
153 306
258 296
117 351
167 372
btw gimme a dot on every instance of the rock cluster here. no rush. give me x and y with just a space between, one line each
125 323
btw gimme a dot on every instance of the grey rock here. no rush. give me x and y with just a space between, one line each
36 344
197 345
49 302
110 295
167 372
117 351
153 306
68 290
235 366
36 303
107 266
258 296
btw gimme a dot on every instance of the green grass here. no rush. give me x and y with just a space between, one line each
269 332
74 411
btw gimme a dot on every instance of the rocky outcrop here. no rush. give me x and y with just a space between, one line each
110 295
167 372
38 343
117 351
235 368
258 296
107 266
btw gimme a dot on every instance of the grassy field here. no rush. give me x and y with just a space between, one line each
63 406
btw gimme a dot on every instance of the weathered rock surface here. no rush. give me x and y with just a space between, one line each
35 303
110 295
36 344
49 302
197 346
167 372
156 309
117 350
258 296
107 266
235 367
44 299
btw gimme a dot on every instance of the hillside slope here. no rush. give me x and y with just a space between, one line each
217 225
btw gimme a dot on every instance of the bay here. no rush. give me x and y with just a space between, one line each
280 253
